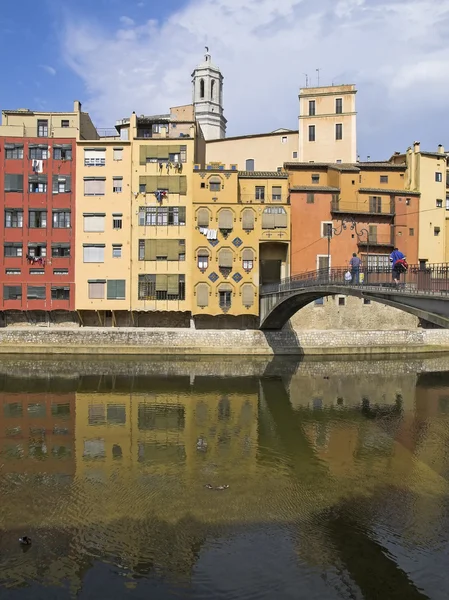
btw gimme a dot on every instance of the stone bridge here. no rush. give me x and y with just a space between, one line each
423 292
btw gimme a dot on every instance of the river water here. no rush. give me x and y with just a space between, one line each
337 474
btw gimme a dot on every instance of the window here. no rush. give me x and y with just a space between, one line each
201 88
438 176
248 259
12 249
65 123
96 289
225 220
310 198
94 186
162 250
249 164
225 297
447 202
37 184
274 217
436 231
42 128
407 201
212 88
215 184
61 250
202 295
384 179
117 185
14 151
295 155
37 271
339 106
62 152
164 215
13 183
62 184
116 289
60 271
118 154
276 193
319 302
248 219
375 204
439 203
116 250
315 178
284 139
60 293
37 219
61 219
38 250
379 262
323 262
326 229
311 133
93 253
225 260
260 192
312 108
12 292
339 131
117 221
411 231
247 295
203 259
94 222
36 292
94 157
341 300
161 287
202 217
13 218
13 272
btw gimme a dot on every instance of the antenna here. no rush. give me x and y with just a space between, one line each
307 79
318 76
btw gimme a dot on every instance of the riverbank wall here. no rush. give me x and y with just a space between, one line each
131 341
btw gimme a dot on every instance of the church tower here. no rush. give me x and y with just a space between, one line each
208 99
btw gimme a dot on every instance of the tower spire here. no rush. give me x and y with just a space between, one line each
207 83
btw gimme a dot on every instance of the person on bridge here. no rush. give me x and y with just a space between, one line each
396 257
355 263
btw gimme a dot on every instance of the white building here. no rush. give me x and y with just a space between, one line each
207 83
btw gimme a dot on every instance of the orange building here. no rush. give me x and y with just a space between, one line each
326 196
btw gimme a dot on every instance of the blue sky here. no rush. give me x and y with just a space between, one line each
117 56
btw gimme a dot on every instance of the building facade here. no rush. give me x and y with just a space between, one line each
371 195
38 190
327 124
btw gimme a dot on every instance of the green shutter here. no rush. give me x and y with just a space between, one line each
68 183
150 249
112 289
143 155
172 285
173 250
182 184
161 283
121 289
55 184
160 152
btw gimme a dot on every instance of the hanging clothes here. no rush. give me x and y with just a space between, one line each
38 165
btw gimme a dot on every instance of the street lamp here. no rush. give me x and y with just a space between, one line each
331 231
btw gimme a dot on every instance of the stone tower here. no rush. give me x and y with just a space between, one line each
207 83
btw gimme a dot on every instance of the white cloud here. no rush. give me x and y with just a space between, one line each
127 21
392 49
50 70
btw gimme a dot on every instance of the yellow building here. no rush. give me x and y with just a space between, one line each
241 238
426 173
327 124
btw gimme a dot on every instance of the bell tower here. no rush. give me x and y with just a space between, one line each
207 83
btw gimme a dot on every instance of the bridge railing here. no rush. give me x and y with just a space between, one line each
431 279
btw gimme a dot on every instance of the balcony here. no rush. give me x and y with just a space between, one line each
381 207
266 198
385 240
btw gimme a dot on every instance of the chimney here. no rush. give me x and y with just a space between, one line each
440 149
416 146
77 106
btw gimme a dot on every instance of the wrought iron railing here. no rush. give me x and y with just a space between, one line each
429 279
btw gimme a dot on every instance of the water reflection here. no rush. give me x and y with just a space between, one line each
337 473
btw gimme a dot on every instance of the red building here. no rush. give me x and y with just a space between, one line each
37 197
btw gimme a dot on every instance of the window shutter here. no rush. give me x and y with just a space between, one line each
225 287
141 217
13 183
175 149
162 248
373 233
172 285
96 290
68 183
280 219
225 258
112 289
173 185
173 249
225 219
121 289
158 151
268 221
161 283
248 254
247 294
142 155
94 223
203 217
248 219
118 153
202 295
203 252
150 249
92 254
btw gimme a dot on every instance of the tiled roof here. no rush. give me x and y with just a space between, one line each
314 188
433 154
264 174
388 191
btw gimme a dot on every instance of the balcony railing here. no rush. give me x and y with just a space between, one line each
382 208
377 240
254 199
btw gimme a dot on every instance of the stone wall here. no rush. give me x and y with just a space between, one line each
122 341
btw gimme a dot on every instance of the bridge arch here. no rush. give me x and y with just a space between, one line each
277 308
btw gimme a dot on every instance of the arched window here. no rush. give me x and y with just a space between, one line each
202 217
215 184
274 217
225 220
225 258
203 255
250 164
248 219
212 89
225 296
202 295
247 294
248 259
201 88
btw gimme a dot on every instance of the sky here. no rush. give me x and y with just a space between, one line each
116 56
